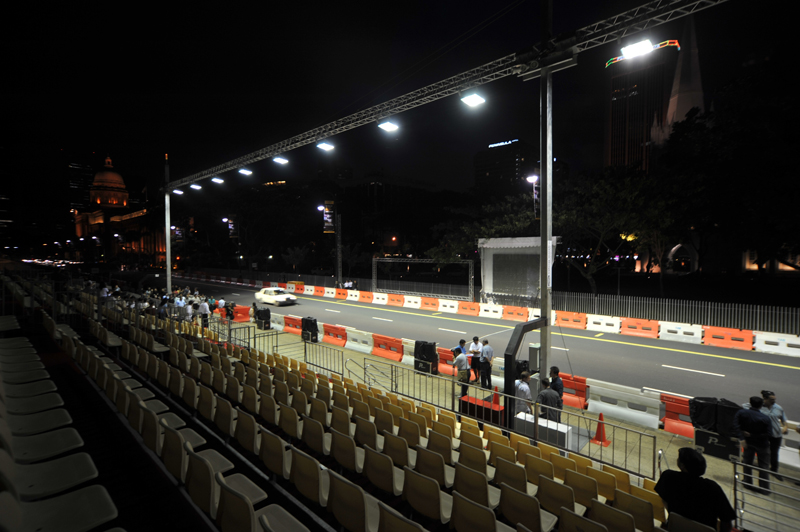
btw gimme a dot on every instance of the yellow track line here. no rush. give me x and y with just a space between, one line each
500 325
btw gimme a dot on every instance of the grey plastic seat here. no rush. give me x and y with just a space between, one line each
35 481
33 405
276 519
30 449
23 377
79 510
30 424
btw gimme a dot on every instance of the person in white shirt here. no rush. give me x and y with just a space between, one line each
474 352
180 303
221 303
204 311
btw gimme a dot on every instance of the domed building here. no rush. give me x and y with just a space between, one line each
108 188
110 231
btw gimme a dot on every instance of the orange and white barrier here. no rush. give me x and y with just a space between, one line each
352 295
334 334
309 290
387 347
609 324
515 313
429 303
780 344
412 302
395 300
329 292
379 298
490 311
276 321
681 332
640 328
448 305
730 338
365 297
319 291
293 324
359 341
341 293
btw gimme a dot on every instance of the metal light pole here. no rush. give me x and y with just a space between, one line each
546 190
167 225
339 249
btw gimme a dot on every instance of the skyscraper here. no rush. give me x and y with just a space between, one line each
502 168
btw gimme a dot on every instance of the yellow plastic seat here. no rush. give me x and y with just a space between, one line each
315 437
445 430
246 431
581 463
250 399
606 482
233 388
385 421
397 449
572 522
613 518
552 496
432 465
300 402
352 508
469 516
409 431
380 471
367 434
207 405
546 450
392 521
678 523
523 509
640 509
268 409
524 449
536 467
623 478
319 411
475 486
200 482
289 422
499 450
442 445
515 476
346 453
361 409
653 498
275 453
561 465
473 439
340 420
584 488
309 477
425 497
237 497
475 459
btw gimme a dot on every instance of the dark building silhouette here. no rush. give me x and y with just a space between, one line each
503 167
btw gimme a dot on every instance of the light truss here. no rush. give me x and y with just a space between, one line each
560 50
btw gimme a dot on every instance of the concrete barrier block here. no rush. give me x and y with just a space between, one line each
681 332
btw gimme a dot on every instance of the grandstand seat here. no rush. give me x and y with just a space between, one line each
443 445
391 520
640 509
83 509
606 482
237 497
36 481
425 497
397 449
475 458
173 452
380 471
290 423
613 518
584 488
552 496
469 516
200 483
499 450
367 434
571 522
384 421
225 417
678 523
153 431
410 432
655 499
431 464
476 486
340 420
268 409
536 467
319 411
352 508
561 465
275 453
515 476
346 453
623 478
519 507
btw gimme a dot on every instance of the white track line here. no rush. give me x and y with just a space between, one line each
336 311
666 392
694 370
382 319
451 330
233 294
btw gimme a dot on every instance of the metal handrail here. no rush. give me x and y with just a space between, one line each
350 372
391 379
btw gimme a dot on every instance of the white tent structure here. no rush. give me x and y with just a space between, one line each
510 266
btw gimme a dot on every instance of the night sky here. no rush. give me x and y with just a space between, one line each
209 82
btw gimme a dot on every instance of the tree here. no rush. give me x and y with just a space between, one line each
295 256
353 256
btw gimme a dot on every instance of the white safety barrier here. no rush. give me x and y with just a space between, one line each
448 305
352 295
380 299
359 341
491 311
412 302
780 344
308 290
273 284
259 285
407 360
536 313
290 288
609 324
276 321
330 292
681 332
630 405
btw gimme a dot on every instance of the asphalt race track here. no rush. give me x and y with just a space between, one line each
687 369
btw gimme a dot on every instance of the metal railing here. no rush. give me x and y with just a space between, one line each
760 508
571 430
783 320
325 359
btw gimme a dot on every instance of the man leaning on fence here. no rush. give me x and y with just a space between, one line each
752 427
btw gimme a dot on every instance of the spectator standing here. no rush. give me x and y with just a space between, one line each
522 391
752 427
179 302
688 494
212 304
555 382
253 312
103 296
475 354
486 361
778 428
204 310
461 363
549 398
221 305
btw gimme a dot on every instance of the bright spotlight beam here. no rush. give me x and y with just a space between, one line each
472 100
177 191
217 180
325 146
245 171
388 126
280 160
195 186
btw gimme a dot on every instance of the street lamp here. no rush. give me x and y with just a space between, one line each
178 191
388 126
280 160
325 146
472 98
195 186
245 171
217 180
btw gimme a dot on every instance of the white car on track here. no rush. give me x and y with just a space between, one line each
275 296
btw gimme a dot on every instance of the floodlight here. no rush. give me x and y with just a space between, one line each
325 146
171 227
388 126
245 171
177 191
195 186
320 208
224 219
532 178
116 234
217 180
637 49
472 100
280 160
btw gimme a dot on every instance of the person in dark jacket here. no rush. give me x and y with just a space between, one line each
556 384
752 427
549 398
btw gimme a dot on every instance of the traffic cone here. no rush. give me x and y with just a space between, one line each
495 397
600 436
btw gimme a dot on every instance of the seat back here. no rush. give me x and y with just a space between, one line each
219 380
623 478
271 451
346 501
552 496
379 470
319 411
613 518
469 516
501 451
472 483
224 417
175 382
422 493
678 523
430 464
340 401
307 387
268 409
396 411
190 393
409 431
571 522
421 422
442 445
200 483
472 457
384 420
360 409
584 487
340 420
233 388
561 465
546 450
281 392
374 404
206 374
653 498
640 509
395 448
391 521
471 438
250 399
299 401
581 462
536 467
289 422
305 475
246 432
519 507
343 449
265 384
313 435
512 474
606 482
324 395
207 404
443 428
235 509
525 449
366 433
